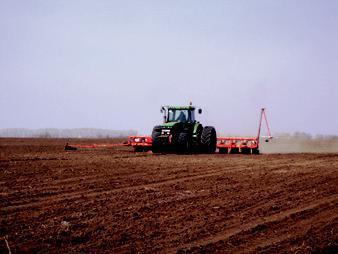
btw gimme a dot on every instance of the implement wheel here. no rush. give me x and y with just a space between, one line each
138 149
255 151
223 150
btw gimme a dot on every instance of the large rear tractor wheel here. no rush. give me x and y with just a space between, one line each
209 139
156 145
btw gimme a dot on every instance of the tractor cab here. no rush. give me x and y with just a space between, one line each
173 114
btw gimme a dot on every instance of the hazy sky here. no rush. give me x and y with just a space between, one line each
112 64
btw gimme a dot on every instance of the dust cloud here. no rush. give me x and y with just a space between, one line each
300 143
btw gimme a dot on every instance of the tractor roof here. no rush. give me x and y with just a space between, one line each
180 107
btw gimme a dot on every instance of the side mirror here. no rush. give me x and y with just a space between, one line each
199 111
162 109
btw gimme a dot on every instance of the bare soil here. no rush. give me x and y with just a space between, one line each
115 200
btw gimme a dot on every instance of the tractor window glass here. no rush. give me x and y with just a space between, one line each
192 116
176 115
171 115
182 116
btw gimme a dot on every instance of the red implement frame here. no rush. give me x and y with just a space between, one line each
92 146
140 143
242 144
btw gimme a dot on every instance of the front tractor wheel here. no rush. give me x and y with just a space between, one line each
209 139
183 143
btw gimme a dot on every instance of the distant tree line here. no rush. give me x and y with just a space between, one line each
65 133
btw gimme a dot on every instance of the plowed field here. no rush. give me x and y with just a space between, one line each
114 200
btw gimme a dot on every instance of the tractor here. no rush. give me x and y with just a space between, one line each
181 133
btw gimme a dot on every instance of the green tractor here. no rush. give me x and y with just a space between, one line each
181 133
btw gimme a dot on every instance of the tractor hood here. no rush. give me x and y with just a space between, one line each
168 125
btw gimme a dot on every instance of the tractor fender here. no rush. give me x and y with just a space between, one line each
195 129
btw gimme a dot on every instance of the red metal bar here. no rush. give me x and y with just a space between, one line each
236 142
267 124
92 146
140 141
235 138
260 124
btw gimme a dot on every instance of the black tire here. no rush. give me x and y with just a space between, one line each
255 151
234 150
223 150
138 149
209 139
183 143
245 150
156 145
